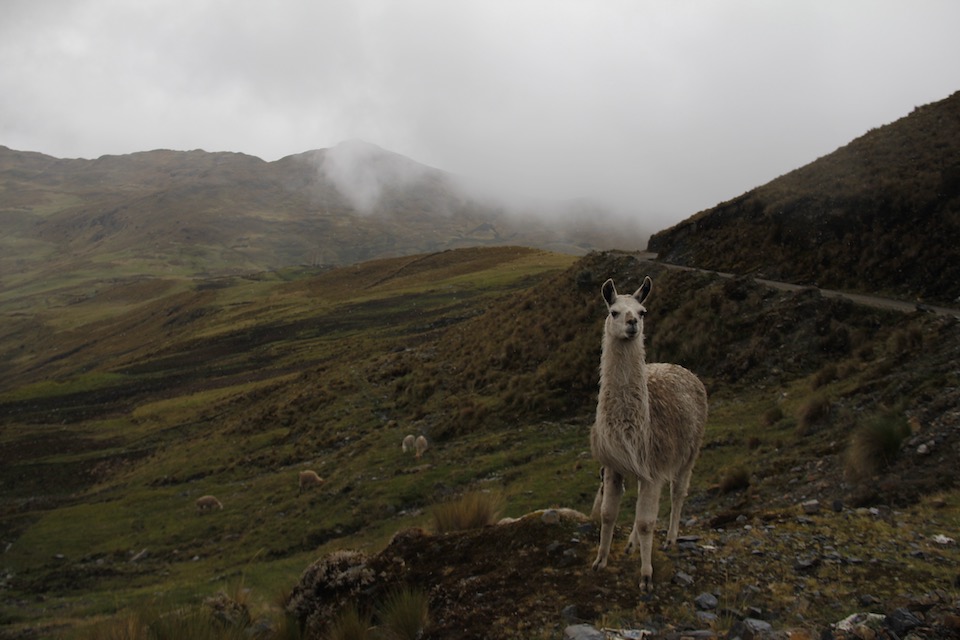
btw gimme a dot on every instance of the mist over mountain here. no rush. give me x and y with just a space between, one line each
881 214
198 213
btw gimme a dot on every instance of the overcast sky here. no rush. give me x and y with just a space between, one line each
660 108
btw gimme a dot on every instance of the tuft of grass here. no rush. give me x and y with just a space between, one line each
404 614
470 511
827 374
734 479
811 413
771 416
875 444
351 624
153 623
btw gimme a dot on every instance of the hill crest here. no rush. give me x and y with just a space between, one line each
879 215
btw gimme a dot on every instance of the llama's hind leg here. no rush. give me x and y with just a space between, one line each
678 493
648 504
610 506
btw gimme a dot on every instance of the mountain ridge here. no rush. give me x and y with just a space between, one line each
196 213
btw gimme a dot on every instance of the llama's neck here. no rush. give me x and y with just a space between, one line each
623 374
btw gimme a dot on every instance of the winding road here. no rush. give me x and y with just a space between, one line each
857 298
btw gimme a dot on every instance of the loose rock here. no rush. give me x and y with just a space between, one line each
582 632
706 602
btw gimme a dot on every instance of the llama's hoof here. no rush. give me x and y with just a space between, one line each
646 583
599 564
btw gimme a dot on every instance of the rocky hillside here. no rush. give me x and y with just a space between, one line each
881 214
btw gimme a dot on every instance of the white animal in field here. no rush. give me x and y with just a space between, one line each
309 479
649 426
208 503
421 446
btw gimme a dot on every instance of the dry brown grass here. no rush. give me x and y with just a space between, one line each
875 444
812 414
470 511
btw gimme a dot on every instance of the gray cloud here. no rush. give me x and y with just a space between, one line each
661 109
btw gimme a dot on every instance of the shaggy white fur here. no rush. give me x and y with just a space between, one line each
649 426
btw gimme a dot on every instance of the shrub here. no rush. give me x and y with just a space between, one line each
734 479
404 614
470 511
875 444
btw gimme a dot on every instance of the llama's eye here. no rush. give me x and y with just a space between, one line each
614 314
642 312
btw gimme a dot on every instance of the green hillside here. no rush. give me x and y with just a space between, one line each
70 223
119 409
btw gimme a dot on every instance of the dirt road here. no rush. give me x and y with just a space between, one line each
857 298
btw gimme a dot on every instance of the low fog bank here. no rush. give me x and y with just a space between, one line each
377 181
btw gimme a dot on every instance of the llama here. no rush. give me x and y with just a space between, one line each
649 426
309 479
408 443
421 446
208 503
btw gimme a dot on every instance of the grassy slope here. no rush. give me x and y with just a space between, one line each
105 452
170 390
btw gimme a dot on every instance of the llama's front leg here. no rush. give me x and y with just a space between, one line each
610 506
633 542
597 499
648 504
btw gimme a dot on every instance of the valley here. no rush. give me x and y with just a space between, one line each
116 422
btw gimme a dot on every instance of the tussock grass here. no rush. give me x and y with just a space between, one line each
771 417
812 413
875 444
404 614
734 479
470 511
827 374
155 623
351 624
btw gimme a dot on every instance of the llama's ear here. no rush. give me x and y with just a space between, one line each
644 290
609 292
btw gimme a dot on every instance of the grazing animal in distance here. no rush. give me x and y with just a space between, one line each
649 426
208 503
309 479
408 443
421 446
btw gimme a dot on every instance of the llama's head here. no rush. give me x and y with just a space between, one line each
625 320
